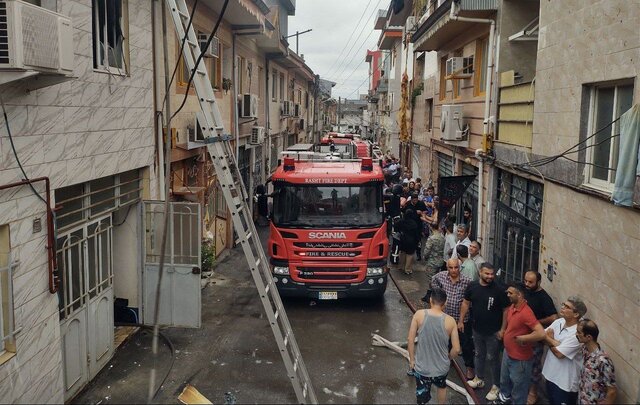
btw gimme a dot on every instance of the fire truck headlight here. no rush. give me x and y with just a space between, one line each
375 271
283 271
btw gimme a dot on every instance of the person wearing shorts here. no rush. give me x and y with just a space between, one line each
430 357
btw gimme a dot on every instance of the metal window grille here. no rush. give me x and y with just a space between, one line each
445 165
517 226
82 202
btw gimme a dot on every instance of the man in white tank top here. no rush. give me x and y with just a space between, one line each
430 356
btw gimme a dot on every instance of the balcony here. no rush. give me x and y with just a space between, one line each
381 20
438 29
388 38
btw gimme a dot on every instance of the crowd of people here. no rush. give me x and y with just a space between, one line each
509 336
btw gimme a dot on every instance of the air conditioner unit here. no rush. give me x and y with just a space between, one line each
196 132
249 106
451 126
286 108
34 38
214 46
297 110
459 67
411 25
257 136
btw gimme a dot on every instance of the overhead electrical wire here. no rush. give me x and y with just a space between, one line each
369 76
15 153
202 53
355 27
549 159
344 66
342 82
179 59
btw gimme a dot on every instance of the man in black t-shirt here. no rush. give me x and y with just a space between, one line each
489 301
545 311
420 208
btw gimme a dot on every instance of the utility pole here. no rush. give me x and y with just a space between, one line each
339 102
297 34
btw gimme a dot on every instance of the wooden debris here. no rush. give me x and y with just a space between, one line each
190 395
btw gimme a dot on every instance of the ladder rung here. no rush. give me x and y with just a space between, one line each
258 265
193 44
276 314
183 14
295 365
286 339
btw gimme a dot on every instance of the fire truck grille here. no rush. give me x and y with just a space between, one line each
313 273
329 277
311 270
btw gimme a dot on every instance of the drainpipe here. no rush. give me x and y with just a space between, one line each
158 125
234 68
236 113
480 153
51 242
267 118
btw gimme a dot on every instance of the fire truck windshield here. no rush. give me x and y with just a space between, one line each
328 206
340 148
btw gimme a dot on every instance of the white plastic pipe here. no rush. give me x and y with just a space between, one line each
487 108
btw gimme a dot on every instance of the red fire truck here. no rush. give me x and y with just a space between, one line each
328 235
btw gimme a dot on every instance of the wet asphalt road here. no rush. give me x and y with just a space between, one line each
234 358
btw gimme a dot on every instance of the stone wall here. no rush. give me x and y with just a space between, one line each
580 42
594 247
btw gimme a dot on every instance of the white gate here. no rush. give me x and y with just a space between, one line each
180 302
85 261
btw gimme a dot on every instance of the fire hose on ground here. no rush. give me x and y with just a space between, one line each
466 390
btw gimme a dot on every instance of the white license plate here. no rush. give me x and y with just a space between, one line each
328 295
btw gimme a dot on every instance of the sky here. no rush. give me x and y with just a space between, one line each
342 31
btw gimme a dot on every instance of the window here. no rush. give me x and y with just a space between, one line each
443 80
456 82
213 59
281 86
110 33
221 205
82 202
242 74
428 114
274 85
607 103
480 67
6 300
182 73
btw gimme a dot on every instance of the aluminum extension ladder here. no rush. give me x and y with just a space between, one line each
224 162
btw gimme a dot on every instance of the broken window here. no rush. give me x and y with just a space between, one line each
110 35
